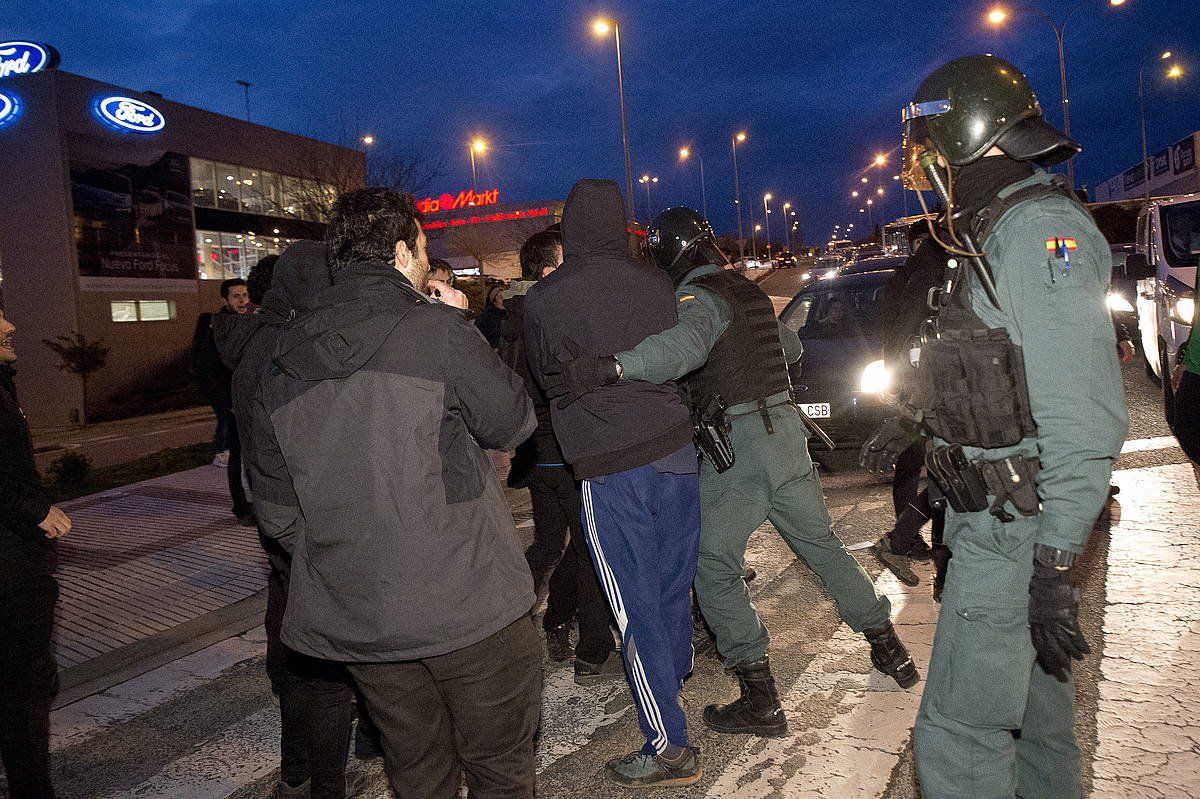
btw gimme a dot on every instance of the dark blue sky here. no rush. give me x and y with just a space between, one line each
817 85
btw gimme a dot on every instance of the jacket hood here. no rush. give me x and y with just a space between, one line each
593 221
347 324
300 275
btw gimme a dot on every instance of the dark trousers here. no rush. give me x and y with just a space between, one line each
475 710
554 495
233 470
911 503
28 678
315 707
1187 415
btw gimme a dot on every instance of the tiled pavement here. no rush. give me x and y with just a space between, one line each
148 557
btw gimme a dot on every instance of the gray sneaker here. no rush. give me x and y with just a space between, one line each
637 770
613 668
285 791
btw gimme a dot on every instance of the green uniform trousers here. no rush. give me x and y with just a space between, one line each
992 724
773 478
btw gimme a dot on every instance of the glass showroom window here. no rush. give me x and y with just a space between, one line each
204 183
252 191
228 188
142 310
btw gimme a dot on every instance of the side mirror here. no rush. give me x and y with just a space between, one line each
1137 267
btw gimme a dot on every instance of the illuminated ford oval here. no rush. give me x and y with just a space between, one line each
20 58
129 114
10 109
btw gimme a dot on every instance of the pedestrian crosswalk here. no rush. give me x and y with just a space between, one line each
205 726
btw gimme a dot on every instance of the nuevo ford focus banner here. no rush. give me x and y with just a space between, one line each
132 219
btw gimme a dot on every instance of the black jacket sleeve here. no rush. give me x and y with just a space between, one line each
22 500
490 396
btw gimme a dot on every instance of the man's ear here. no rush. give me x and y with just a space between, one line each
403 255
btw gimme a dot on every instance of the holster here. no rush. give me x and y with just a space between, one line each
711 434
966 485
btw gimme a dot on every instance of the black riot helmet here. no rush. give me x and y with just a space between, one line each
680 239
972 104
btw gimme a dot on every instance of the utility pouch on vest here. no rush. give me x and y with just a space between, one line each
711 433
966 485
971 387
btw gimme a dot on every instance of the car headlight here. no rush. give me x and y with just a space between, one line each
1183 310
876 378
1119 304
806 276
830 275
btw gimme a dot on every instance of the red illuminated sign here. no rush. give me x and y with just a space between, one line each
464 199
500 216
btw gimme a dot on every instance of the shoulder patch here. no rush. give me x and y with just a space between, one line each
1060 245
686 297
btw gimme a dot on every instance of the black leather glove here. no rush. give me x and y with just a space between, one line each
580 375
894 435
1054 619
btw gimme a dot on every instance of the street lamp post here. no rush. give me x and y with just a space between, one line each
754 240
998 15
767 221
684 154
477 145
601 27
737 192
787 225
646 179
1173 72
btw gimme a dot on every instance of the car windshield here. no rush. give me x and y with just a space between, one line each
1181 234
840 311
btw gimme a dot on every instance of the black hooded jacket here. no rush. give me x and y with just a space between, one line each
25 552
246 343
375 414
602 301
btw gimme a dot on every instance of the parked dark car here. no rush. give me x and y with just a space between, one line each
842 379
785 260
1122 295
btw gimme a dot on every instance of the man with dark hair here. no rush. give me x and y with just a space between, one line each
258 282
214 380
442 272
631 444
554 494
406 564
29 527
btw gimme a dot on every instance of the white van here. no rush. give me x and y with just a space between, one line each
1164 263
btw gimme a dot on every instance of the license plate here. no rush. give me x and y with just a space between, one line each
815 410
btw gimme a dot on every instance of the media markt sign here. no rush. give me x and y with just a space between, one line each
21 58
126 113
468 198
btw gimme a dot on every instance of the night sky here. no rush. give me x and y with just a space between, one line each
818 86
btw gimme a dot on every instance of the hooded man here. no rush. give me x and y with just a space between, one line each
315 699
631 444
406 564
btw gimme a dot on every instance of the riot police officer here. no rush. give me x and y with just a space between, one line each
734 354
1017 385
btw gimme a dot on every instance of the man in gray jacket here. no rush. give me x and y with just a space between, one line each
406 563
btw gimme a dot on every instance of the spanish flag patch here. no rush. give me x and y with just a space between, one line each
1061 245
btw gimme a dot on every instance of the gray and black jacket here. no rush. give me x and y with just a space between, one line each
378 408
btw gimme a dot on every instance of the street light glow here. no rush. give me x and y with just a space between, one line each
1175 71
684 153
479 146
879 191
854 193
864 180
368 139
880 160
767 197
997 16
741 137
601 27
1165 56
1115 3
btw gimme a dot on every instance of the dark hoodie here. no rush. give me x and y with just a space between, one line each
246 343
602 301
377 406
25 552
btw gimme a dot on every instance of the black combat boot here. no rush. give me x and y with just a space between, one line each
757 711
890 657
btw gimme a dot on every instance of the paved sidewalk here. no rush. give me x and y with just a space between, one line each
111 443
147 558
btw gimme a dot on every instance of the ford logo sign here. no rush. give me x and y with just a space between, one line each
10 109
19 58
125 113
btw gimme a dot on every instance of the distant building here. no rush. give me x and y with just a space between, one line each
475 231
1172 171
121 212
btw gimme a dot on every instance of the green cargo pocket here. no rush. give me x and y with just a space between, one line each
987 670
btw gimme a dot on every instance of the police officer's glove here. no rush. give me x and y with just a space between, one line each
1054 616
580 375
894 435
